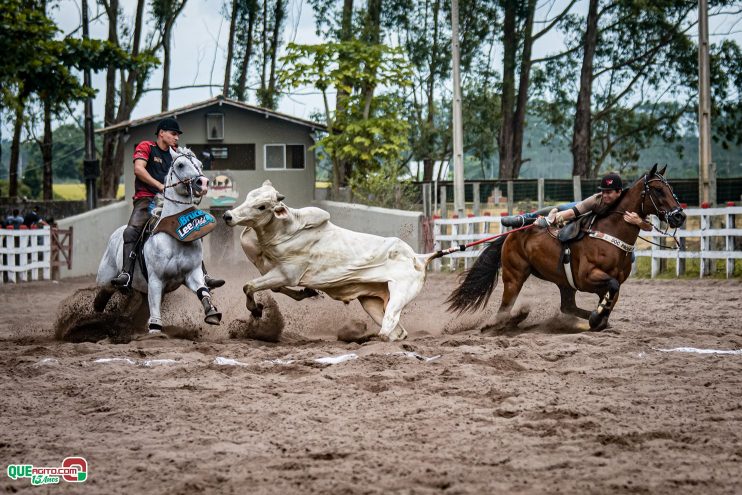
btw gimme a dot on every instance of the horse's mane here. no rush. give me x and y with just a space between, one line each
185 151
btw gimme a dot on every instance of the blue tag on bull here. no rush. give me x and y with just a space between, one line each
192 222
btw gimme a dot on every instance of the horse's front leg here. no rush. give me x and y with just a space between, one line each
195 281
599 318
569 306
154 296
271 280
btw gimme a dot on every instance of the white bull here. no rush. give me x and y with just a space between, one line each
301 247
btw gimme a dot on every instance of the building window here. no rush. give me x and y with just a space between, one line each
284 157
232 157
220 153
215 126
295 156
275 156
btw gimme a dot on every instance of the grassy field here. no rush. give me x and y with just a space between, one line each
76 192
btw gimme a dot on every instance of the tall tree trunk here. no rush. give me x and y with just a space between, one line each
130 92
242 79
166 38
581 138
373 37
341 100
15 151
277 21
46 151
230 50
109 113
510 45
264 62
429 162
519 119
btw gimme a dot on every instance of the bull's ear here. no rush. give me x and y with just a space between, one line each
653 171
268 183
662 172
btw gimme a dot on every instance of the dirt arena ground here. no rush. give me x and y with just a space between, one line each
545 408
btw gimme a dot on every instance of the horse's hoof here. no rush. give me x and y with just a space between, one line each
597 322
213 318
257 312
153 334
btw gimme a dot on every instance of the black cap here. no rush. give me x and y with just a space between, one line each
611 182
168 124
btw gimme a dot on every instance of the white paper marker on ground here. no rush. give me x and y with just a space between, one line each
115 360
157 362
701 351
228 362
417 356
336 359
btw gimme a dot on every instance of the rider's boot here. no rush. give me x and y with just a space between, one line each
211 283
123 279
513 221
517 221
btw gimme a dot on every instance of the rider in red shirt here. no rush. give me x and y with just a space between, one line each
152 162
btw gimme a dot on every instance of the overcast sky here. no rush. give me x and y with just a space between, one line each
199 44
198 50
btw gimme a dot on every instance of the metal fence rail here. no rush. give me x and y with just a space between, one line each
716 238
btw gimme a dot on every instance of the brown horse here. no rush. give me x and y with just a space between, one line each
598 266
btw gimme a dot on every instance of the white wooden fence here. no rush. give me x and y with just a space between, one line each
715 239
25 255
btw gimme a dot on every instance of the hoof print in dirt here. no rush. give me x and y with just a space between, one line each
356 331
77 321
267 328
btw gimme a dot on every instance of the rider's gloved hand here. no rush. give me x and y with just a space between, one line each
548 220
542 222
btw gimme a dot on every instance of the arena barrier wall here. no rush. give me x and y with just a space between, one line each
92 231
385 222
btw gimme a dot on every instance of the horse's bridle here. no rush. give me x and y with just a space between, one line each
649 192
187 182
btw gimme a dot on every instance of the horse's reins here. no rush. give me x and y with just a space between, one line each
187 182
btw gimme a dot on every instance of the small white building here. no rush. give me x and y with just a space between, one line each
244 143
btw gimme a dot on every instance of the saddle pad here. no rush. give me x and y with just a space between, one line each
187 225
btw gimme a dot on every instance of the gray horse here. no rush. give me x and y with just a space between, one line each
170 262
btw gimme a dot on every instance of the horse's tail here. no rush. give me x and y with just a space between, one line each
479 281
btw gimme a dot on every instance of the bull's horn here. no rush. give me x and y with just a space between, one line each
281 197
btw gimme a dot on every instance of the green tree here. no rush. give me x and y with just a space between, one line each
122 97
165 13
373 134
46 73
633 59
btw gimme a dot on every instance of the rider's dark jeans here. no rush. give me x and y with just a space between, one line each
138 218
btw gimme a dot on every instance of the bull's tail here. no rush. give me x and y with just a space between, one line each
479 281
